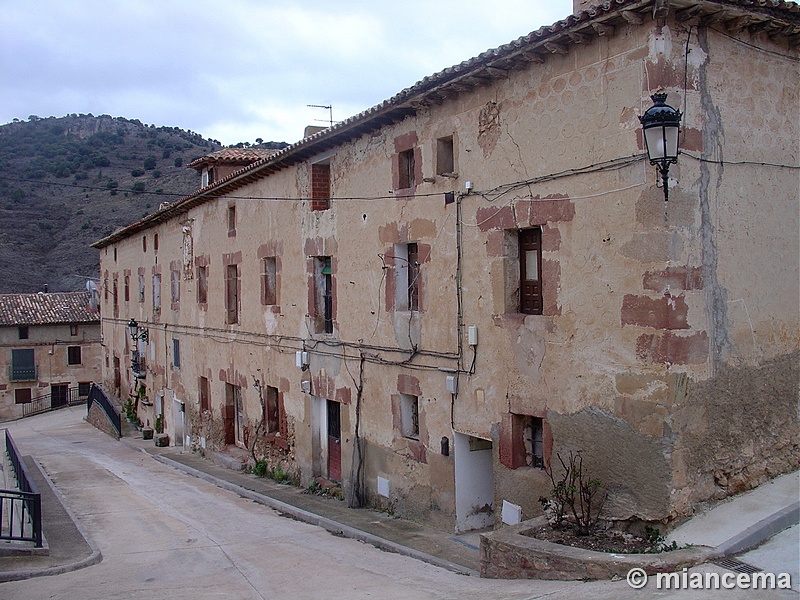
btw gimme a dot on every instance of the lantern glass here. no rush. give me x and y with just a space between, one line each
662 141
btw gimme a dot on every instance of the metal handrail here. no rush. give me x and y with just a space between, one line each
45 403
24 504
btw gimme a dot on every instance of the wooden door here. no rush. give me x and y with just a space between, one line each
334 441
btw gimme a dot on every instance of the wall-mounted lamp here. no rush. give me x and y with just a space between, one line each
661 124
135 332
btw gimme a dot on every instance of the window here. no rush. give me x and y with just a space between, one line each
405 169
522 441
530 268
141 289
409 416
115 254
445 160
155 242
269 288
232 220
204 394
202 285
23 366
323 282
22 395
532 435
407 276
73 330
320 186
144 243
273 417
176 353
156 292
116 296
127 291
83 388
73 355
232 294
175 285
23 332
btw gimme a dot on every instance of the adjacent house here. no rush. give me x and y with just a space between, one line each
51 350
218 165
433 300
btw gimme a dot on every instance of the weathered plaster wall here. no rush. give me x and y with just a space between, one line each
651 311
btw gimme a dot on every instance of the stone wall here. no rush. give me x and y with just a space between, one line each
97 417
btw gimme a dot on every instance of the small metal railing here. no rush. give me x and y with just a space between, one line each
27 373
53 401
20 509
98 396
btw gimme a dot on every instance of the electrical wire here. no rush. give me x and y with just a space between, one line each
754 47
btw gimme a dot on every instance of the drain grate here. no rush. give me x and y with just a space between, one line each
733 564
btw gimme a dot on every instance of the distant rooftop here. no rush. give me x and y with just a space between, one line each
233 155
46 309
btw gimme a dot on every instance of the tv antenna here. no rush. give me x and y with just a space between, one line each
330 112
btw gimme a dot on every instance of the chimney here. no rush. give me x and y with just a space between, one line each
312 129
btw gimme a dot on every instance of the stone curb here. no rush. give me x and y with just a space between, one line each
508 554
95 557
307 517
760 532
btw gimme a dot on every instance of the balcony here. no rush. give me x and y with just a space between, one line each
23 373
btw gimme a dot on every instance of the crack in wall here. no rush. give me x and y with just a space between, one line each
713 136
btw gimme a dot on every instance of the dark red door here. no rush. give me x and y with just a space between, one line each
334 441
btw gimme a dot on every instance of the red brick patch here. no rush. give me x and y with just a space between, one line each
668 312
669 348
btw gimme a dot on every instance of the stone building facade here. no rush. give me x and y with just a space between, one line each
433 300
49 350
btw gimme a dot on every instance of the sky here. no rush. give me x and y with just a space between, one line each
239 70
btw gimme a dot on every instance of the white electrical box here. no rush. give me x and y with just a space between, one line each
383 487
512 513
305 385
452 384
472 335
301 358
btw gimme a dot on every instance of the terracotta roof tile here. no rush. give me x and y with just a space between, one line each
46 309
233 155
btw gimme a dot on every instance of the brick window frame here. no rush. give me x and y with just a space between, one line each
269 281
322 307
525 441
531 299
233 287
406 164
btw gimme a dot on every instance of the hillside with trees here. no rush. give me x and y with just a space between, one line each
66 182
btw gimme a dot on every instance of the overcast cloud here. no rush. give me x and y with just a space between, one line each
240 69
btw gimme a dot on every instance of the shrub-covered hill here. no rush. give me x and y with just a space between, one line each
66 182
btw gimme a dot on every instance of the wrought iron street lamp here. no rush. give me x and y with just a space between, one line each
136 334
661 124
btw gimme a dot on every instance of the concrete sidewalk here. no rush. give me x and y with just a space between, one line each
730 528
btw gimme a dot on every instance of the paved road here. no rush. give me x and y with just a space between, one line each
164 534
